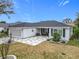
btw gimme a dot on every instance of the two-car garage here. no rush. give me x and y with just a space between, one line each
22 32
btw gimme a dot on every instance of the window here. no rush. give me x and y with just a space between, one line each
63 32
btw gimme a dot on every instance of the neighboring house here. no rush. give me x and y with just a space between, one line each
43 28
4 26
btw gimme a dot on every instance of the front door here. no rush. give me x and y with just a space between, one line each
44 31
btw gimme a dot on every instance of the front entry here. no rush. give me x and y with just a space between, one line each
44 31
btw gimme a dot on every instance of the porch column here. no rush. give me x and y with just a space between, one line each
22 33
40 31
49 32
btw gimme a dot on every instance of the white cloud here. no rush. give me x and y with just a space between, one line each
66 2
63 3
60 3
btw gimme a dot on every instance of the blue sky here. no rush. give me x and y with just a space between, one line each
41 10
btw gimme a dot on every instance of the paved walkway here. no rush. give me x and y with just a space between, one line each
32 40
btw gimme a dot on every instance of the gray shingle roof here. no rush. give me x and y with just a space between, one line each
41 24
4 24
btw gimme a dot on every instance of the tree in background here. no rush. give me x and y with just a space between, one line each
3 22
77 20
76 28
67 20
4 48
6 8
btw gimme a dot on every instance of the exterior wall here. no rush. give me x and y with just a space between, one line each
23 32
16 32
50 33
71 31
27 32
68 32
58 31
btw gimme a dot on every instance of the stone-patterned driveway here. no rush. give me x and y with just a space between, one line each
32 40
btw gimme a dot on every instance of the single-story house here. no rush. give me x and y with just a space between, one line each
42 28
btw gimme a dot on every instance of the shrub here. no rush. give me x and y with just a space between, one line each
63 41
73 37
75 34
3 35
56 37
4 48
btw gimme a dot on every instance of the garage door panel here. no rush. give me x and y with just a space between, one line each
16 33
29 32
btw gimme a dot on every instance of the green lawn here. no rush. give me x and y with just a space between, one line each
73 43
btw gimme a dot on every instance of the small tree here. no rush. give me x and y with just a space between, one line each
76 28
67 20
56 37
3 34
77 20
6 8
2 21
75 34
4 48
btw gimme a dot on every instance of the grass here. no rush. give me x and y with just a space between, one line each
73 43
45 50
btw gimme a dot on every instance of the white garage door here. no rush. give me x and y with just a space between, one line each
29 32
16 33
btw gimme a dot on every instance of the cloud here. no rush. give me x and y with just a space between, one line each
60 3
63 3
66 2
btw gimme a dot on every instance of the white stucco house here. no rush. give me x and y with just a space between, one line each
43 28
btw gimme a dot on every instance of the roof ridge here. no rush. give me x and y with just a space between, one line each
50 23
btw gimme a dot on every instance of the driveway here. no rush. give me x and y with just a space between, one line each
32 40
